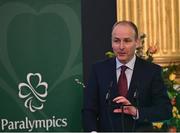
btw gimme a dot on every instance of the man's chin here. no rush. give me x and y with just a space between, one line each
122 60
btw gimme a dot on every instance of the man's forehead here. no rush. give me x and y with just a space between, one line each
125 37
122 35
123 28
123 31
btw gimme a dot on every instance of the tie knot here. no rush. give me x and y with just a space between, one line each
123 68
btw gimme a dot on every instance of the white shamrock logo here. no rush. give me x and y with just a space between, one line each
34 91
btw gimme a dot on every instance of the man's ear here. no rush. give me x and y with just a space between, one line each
137 43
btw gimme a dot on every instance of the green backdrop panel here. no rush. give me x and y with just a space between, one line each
40 58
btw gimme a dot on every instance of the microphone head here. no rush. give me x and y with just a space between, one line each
107 98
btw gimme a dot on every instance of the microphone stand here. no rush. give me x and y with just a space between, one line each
122 116
109 117
122 108
108 100
137 104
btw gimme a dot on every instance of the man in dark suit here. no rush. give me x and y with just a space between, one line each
125 93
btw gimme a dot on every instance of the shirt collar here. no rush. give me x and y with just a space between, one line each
130 64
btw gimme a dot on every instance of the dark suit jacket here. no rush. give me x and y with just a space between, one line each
147 91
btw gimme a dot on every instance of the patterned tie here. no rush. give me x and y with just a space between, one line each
122 82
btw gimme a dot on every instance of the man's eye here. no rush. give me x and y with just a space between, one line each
116 40
127 40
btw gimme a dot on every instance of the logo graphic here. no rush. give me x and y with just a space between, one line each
34 91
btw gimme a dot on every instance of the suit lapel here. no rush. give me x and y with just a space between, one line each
113 77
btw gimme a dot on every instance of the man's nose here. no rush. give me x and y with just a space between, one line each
121 45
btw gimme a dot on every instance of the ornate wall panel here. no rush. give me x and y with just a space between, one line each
159 20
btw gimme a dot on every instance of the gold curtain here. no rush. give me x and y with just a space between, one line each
159 20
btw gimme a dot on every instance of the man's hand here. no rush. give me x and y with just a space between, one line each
131 110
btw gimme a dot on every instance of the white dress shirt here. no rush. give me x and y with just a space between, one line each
129 70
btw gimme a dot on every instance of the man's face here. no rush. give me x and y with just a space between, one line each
124 43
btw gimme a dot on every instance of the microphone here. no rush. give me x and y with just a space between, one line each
108 94
108 101
136 99
136 94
